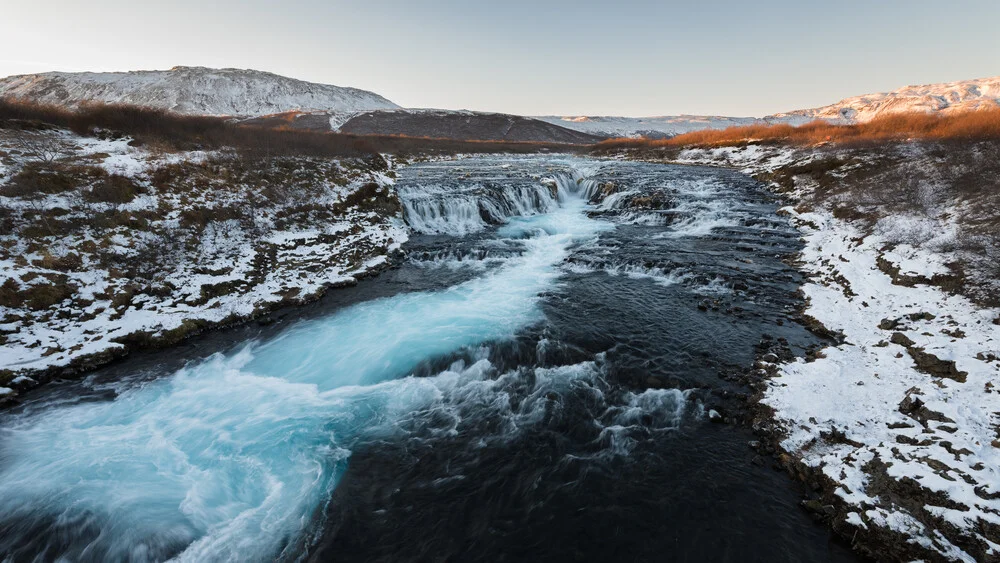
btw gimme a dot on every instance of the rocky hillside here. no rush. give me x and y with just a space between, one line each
192 90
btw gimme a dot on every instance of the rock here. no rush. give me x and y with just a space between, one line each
816 508
22 383
7 394
901 339
932 365
888 324
913 407
982 493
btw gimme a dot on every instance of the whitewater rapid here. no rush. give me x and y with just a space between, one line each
228 459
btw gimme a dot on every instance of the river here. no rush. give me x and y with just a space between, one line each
533 382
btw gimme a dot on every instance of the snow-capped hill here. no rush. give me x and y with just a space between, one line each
659 126
949 97
192 90
930 98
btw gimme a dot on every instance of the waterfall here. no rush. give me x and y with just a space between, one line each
457 205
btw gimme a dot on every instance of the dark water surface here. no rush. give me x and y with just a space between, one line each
531 384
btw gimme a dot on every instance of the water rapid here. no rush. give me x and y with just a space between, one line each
530 384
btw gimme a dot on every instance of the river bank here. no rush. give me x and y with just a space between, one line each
894 424
109 247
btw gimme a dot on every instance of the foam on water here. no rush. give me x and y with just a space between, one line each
457 204
705 209
445 212
230 459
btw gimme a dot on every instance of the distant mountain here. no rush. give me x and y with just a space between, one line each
192 90
464 125
931 98
442 124
270 99
652 127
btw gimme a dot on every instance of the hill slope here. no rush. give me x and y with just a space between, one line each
463 125
192 90
947 97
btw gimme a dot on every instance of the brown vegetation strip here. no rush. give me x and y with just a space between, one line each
973 125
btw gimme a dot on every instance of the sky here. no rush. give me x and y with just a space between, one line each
539 57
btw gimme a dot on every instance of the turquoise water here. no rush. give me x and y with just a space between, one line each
230 458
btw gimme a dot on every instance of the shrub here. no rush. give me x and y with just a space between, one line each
35 180
10 295
114 189
198 218
68 262
113 219
42 296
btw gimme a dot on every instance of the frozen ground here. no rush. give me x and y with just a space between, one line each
903 416
106 245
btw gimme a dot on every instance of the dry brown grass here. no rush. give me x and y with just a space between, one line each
973 125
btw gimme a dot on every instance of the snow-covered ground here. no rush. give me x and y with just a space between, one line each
900 422
193 90
207 239
910 399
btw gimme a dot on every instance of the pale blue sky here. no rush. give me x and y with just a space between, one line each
531 57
